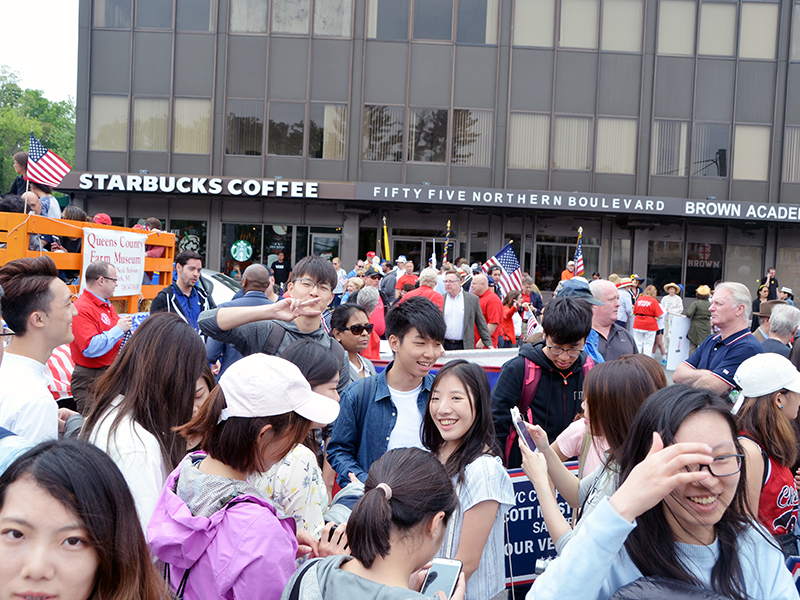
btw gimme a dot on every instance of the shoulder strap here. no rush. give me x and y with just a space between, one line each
764 456
274 339
295 593
530 382
588 365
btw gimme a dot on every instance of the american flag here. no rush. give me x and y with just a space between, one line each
45 167
579 258
511 279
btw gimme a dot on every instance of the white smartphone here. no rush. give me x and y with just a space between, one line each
442 577
522 431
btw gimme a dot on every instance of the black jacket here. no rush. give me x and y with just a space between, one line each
165 302
19 186
556 402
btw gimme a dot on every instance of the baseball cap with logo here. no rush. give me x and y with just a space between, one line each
765 374
401 259
260 385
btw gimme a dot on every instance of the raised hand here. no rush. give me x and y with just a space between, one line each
289 309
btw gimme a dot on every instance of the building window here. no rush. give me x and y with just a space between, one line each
622 25
791 155
387 19
670 143
433 19
758 33
529 140
477 21
195 15
327 131
472 137
573 143
332 17
290 16
154 14
751 152
150 124
795 50
245 127
703 264
192 133
427 135
676 22
616 146
112 13
717 29
710 150
383 133
578 24
109 123
621 256
534 23
664 262
249 16
286 129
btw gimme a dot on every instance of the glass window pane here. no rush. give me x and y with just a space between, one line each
534 23
247 240
286 129
670 142
109 123
477 21
383 133
290 16
249 16
710 150
578 24
703 266
621 256
795 51
327 131
573 143
433 19
189 235
758 33
472 137
387 19
245 127
194 15
427 135
616 146
743 264
622 25
154 14
192 133
332 17
112 13
788 266
791 155
150 124
676 20
664 262
717 29
529 140
278 238
751 152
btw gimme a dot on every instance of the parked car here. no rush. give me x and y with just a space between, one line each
218 286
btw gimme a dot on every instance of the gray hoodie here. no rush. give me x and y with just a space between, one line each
324 580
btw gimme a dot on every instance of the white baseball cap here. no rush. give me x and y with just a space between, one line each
765 374
261 385
401 259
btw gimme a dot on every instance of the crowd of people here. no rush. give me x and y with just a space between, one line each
261 448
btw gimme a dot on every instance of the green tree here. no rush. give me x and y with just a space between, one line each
23 110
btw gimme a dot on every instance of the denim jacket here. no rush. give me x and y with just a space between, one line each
353 446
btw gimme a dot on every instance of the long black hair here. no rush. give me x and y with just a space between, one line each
651 546
480 439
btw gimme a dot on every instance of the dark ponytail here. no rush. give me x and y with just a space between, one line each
420 488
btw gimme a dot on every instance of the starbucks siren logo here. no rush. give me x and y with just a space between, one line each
242 250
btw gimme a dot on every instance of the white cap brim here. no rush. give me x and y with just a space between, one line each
318 408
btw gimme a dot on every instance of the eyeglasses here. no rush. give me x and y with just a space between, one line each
310 284
723 466
114 279
556 351
359 329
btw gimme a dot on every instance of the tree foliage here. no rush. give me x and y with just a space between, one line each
23 110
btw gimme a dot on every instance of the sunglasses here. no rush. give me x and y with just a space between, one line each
359 329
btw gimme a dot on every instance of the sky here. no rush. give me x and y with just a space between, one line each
47 61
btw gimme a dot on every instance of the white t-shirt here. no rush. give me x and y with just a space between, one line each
409 420
26 405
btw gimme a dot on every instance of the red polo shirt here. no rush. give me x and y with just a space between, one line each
425 292
94 316
492 309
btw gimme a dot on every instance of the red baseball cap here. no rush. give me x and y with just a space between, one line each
102 219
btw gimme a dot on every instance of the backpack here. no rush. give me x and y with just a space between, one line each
275 338
530 383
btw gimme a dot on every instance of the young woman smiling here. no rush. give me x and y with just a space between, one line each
458 428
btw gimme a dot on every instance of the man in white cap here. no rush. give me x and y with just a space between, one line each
569 272
785 294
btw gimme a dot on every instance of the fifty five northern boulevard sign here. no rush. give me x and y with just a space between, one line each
431 194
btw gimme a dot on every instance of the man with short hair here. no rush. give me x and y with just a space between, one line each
427 281
495 273
714 363
771 282
384 412
491 307
282 270
407 277
764 315
784 322
184 297
98 331
271 328
37 307
613 340
462 316
359 265
389 281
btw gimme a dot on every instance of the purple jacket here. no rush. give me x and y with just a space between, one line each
243 551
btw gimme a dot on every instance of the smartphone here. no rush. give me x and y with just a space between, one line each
442 577
522 431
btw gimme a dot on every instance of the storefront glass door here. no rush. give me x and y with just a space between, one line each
419 251
326 246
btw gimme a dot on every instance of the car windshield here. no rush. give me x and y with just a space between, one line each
228 282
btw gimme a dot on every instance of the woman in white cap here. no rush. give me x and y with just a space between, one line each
218 537
771 391
672 305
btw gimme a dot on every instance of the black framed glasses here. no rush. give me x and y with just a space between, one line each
556 351
5 336
722 466
359 329
114 279
310 284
